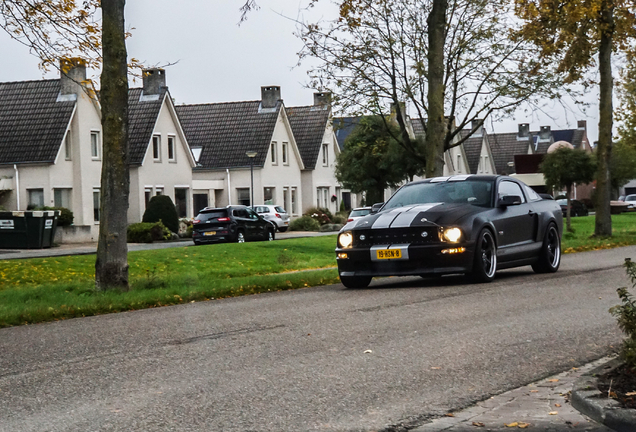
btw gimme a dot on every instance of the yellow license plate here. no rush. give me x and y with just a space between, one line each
209 233
389 254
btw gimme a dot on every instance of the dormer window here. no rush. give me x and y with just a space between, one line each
156 148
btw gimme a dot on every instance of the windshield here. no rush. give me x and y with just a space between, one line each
630 198
475 192
362 212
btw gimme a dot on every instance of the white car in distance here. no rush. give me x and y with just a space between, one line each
275 214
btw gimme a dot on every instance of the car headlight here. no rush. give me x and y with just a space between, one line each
345 240
452 235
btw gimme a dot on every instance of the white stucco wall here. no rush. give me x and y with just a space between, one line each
162 174
323 176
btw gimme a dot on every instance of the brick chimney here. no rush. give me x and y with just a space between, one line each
545 134
581 124
322 99
270 95
154 79
478 126
524 131
72 74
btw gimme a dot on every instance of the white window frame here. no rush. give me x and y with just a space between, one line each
68 149
159 190
95 145
273 148
172 145
156 156
285 153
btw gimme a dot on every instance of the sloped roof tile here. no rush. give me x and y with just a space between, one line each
226 131
32 122
142 117
308 124
504 146
472 148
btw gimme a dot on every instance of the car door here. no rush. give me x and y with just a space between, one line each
242 222
516 224
257 224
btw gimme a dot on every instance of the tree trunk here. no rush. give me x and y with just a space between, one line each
435 130
568 213
111 267
603 221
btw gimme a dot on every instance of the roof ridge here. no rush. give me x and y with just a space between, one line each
30 81
217 103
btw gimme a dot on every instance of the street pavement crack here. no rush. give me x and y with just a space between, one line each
220 335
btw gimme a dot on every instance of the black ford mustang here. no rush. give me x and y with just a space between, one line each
473 224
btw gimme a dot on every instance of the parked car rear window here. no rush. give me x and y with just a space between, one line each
280 209
204 217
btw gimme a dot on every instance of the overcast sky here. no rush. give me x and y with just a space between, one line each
219 61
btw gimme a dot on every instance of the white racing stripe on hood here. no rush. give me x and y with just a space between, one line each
406 217
385 219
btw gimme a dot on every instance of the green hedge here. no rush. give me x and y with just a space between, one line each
304 223
66 216
161 209
147 232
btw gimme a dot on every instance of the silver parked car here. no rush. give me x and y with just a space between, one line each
275 214
358 213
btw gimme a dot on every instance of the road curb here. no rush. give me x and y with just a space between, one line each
586 398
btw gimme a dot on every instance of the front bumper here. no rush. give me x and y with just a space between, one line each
418 260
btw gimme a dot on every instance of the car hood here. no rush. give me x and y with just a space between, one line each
415 215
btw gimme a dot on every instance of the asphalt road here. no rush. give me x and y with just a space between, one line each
317 359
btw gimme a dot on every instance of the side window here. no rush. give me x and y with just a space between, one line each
510 188
251 214
532 195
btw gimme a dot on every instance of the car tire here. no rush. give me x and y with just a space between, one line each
485 260
282 229
550 254
355 281
270 235
240 237
197 243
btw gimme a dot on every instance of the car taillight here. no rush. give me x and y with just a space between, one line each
277 215
196 221
349 220
225 219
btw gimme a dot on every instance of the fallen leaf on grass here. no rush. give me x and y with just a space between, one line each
513 424
534 391
450 415
478 424
553 413
553 380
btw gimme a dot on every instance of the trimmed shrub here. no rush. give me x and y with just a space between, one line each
338 219
321 215
304 223
66 216
161 209
330 227
147 232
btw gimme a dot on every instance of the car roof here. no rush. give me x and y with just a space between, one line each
212 209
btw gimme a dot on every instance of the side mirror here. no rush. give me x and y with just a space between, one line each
376 207
509 200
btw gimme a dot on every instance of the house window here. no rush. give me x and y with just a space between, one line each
285 155
325 154
95 145
286 198
36 198
274 151
62 197
322 197
156 148
486 164
268 195
147 195
294 201
159 191
181 201
459 163
96 203
172 151
243 196
67 146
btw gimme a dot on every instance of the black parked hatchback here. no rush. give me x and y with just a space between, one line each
231 224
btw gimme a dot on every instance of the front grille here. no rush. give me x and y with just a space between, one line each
396 236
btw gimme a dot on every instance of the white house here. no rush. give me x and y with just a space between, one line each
235 143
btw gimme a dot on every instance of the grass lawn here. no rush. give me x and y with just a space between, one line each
46 289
